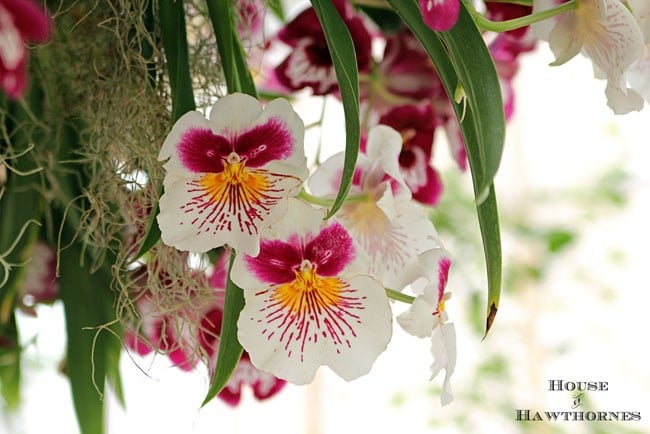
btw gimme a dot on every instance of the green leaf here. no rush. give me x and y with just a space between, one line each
93 334
93 344
153 232
341 48
231 52
174 38
19 224
230 350
464 60
18 233
10 364
478 76
387 20
488 219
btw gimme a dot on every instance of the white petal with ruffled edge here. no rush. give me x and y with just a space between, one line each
229 177
199 215
392 246
419 320
443 349
347 335
296 319
234 112
613 50
174 167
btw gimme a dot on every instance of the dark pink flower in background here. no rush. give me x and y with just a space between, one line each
250 14
440 15
506 48
498 11
309 64
191 332
21 22
164 324
505 51
263 384
417 126
404 75
40 284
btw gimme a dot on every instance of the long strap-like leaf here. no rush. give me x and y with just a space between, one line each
230 350
341 48
174 38
461 58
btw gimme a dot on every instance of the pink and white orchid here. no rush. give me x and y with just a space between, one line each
309 64
21 21
229 177
389 227
427 318
607 33
310 301
406 76
263 384
416 125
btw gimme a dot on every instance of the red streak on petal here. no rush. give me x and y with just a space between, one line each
236 199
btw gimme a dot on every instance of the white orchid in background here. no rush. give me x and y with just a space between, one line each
427 317
606 32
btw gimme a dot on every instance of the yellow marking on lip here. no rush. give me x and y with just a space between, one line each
309 291
236 182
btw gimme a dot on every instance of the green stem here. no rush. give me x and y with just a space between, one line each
516 23
396 295
327 202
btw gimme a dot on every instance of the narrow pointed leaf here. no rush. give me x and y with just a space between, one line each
230 350
482 125
341 48
87 300
477 74
174 38
277 8
93 345
19 224
233 58
9 364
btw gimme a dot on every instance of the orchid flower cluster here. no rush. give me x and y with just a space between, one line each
316 290
226 242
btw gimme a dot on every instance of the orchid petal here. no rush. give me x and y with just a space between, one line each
326 315
230 176
203 213
419 319
563 40
443 349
